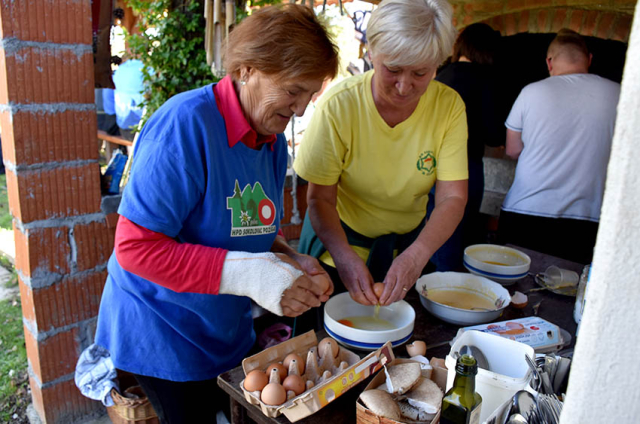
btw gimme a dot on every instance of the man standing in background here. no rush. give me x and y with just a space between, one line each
560 130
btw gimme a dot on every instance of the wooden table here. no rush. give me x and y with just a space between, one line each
557 309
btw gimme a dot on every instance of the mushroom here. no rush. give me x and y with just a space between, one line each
381 403
426 396
401 377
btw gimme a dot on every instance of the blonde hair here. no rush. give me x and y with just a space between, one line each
285 40
411 32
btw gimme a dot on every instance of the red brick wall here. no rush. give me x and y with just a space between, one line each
62 238
608 20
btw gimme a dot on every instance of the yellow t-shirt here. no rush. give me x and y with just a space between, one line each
384 174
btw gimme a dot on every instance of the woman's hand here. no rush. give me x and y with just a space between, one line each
402 275
304 294
312 268
356 277
309 290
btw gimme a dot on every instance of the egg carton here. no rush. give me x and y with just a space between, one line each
329 377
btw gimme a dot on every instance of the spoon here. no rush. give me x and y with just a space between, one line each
523 402
517 419
481 360
534 370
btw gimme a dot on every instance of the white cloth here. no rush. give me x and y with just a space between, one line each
260 276
567 126
96 375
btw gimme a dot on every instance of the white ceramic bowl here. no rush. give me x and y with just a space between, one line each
341 306
463 282
499 263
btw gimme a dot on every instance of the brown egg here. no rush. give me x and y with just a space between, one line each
295 383
417 348
282 371
255 380
273 394
335 349
378 288
299 362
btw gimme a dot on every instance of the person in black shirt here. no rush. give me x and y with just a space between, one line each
471 74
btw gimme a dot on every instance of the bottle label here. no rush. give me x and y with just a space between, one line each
474 417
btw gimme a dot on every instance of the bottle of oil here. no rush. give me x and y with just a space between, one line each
461 404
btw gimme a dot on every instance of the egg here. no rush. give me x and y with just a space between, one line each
335 349
378 288
295 383
282 371
255 380
273 394
519 300
417 348
299 362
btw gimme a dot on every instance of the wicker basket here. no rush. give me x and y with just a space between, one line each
130 410
365 416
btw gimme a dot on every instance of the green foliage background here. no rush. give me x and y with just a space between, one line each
173 52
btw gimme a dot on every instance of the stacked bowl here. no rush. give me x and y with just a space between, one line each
498 263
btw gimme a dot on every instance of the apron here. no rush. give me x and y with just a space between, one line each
380 249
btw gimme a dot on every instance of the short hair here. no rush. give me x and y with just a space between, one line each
411 32
478 43
284 39
569 45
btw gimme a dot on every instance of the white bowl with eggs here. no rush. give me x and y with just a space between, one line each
498 263
398 319
461 298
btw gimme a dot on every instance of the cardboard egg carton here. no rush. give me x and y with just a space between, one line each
330 377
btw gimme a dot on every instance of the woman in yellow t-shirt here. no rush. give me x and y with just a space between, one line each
376 145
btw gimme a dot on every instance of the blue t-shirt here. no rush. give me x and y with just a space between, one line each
186 182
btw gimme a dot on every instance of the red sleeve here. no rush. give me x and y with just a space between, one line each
181 267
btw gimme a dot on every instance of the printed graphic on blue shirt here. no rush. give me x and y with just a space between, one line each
252 212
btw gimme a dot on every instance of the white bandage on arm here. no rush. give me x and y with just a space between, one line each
260 276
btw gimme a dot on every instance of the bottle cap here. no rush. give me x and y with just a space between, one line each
467 365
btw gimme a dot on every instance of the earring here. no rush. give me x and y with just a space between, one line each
243 82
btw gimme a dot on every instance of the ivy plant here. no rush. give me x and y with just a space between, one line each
170 44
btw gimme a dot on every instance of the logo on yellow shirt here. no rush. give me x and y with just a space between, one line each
426 163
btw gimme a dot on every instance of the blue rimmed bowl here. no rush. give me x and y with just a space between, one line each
400 314
498 263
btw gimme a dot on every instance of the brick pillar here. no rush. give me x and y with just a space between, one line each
63 241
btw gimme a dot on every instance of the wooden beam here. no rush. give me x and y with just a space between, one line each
102 135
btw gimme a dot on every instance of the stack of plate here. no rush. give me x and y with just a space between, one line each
499 263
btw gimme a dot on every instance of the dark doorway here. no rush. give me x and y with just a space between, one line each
522 61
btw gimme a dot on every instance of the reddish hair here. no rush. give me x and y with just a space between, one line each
285 39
